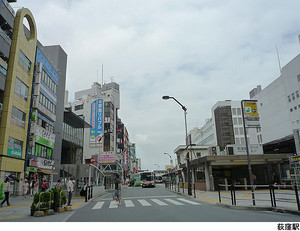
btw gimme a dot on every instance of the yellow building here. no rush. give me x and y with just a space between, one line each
17 97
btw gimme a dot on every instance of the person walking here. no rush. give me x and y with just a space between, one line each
32 187
58 184
117 189
25 188
70 189
44 186
6 192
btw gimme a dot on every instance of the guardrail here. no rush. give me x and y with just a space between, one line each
290 194
173 186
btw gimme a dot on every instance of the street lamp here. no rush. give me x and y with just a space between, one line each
166 97
170 163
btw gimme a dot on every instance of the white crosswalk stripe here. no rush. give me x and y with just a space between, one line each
113 204
159 202
98 205
129 203
187 201
174 202
144 203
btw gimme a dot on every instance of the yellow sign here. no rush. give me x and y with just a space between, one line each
296 158
250 109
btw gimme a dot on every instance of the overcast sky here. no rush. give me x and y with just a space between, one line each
200 52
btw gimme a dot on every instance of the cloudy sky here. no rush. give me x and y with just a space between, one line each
199 51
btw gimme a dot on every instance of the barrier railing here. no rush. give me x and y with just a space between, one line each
290 194
173 186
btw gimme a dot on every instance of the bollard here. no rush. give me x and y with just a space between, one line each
92 191
182 187
231 193
86 193
219 192
178 187
55 205
271 195
194 190
297 196
234 198
273 192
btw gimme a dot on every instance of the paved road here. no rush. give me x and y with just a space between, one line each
160 205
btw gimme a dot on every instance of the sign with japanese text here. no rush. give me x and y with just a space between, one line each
96 121
250 109
106 159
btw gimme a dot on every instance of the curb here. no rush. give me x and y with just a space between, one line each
259 208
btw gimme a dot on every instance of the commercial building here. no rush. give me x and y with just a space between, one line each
225 130
279 109
16 97
99 106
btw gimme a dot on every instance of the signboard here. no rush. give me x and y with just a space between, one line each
44 137
250 109
44 163
31 169
14 147
106 159
295 162
254 149
96 121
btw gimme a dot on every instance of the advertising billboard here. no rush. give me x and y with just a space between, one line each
106 159
96 121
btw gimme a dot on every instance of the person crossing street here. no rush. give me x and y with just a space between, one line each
6 192
117 192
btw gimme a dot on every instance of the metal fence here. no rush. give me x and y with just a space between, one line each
271 194
179 187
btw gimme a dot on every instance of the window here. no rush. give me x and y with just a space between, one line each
236 131
237 141
297 94
260 138
298 77
21 89
48 81
240 121
241 131
198 154
289 98
233 111
239 111
291 109
242 140
295 108
293 96
24 62
235 121
18 117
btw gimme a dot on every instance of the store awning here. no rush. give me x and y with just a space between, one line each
45 171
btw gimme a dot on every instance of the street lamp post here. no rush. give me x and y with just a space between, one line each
170 163
186 141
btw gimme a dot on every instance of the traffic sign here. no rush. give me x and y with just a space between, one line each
250 110
295 162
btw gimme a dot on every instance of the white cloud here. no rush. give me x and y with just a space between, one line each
198 51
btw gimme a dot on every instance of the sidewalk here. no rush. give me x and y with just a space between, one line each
20 209
244 199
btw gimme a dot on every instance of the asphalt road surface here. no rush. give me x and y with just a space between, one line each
160 205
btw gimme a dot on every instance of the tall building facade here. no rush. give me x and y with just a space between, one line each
17 93
279 109
99 106
225 130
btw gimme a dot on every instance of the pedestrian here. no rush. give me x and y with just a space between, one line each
44 186
58 184
117 189
32 187
70 189
37 184
6 192
25 188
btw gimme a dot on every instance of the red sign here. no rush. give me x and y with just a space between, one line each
93 161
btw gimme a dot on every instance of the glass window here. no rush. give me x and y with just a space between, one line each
21 89
233 111
239 111
293 96
236 131
237 141
291 109
24 62
240 121
18 117
289 98
295 108
241 131
235 121
297 94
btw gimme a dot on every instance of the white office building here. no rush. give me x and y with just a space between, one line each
279 108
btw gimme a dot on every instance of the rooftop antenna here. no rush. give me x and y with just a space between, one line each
278 59
102 74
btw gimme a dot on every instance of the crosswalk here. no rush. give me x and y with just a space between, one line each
144 202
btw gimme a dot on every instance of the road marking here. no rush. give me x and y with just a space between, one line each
98 205
113 205
11 217
15 206
144 203
159 202
145 197
128 203
174 202
187 201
